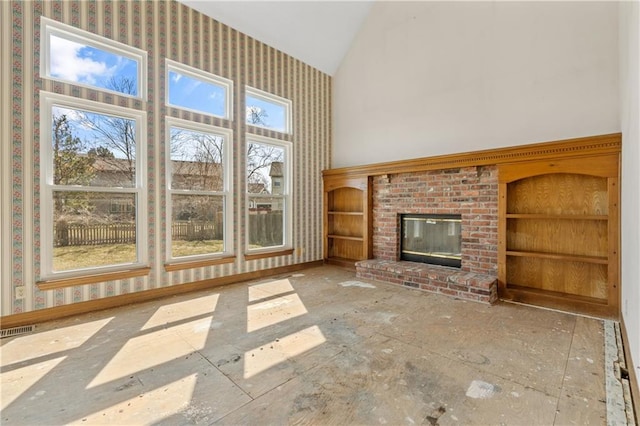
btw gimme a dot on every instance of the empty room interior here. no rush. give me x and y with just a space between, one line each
319 212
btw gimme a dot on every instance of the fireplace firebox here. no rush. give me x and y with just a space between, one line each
431 238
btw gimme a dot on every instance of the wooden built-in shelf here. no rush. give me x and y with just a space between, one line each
568 257
559 296
556 216
558 233
345 237
347 220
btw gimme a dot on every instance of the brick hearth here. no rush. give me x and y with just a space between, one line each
471 192
431 278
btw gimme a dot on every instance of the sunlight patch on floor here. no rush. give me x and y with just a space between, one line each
269 289
17 382
273 311
142 353
153 406
24 348
180 311
264 357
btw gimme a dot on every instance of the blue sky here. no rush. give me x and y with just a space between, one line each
196 94
84 64
275 118
81 126
81 63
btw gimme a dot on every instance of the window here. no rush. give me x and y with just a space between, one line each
192 89
269 111
93 186
86 59
199 183
268 187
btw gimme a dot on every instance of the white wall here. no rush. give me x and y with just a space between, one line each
430 78
630 125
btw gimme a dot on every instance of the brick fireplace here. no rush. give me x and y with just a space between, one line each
471 192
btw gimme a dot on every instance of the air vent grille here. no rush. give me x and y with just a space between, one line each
15 331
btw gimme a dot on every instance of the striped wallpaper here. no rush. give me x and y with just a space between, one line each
164 29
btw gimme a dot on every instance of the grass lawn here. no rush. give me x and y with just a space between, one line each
189 248
76 257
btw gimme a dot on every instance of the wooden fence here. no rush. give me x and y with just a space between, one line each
196 231
75 234
265 229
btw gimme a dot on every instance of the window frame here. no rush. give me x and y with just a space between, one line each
47 187
50 27
273 99
207 77
226 193
287 190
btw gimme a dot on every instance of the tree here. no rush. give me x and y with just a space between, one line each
197 164
197 156
259 156
122 84
70 166
100 152
256 115
116 135
259 159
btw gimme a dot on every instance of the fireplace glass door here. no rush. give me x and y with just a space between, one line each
431 238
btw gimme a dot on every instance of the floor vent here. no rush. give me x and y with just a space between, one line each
15 331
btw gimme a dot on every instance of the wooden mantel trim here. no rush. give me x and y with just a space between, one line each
587 146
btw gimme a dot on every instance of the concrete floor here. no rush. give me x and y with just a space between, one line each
316 347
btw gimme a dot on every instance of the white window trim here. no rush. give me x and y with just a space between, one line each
227 152
47 101
50 27
205 76
274 99
287 229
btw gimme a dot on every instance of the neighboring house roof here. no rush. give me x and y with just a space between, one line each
196 168
180 167
276 169
256 188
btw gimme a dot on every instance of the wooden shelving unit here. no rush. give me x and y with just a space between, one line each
558 226
347 219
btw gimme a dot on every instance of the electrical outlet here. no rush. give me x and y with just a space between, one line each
300 251
20 292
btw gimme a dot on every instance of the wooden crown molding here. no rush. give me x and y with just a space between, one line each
586 146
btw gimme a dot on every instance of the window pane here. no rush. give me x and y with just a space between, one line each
196 160
196 94
91 149
85 64
93 229
261 112
266 222
265 169
197 225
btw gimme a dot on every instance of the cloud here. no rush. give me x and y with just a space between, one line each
73 115
67 63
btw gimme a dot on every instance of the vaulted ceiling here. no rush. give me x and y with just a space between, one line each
316 32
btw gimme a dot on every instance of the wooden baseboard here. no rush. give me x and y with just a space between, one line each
48 314
633 377
345 263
